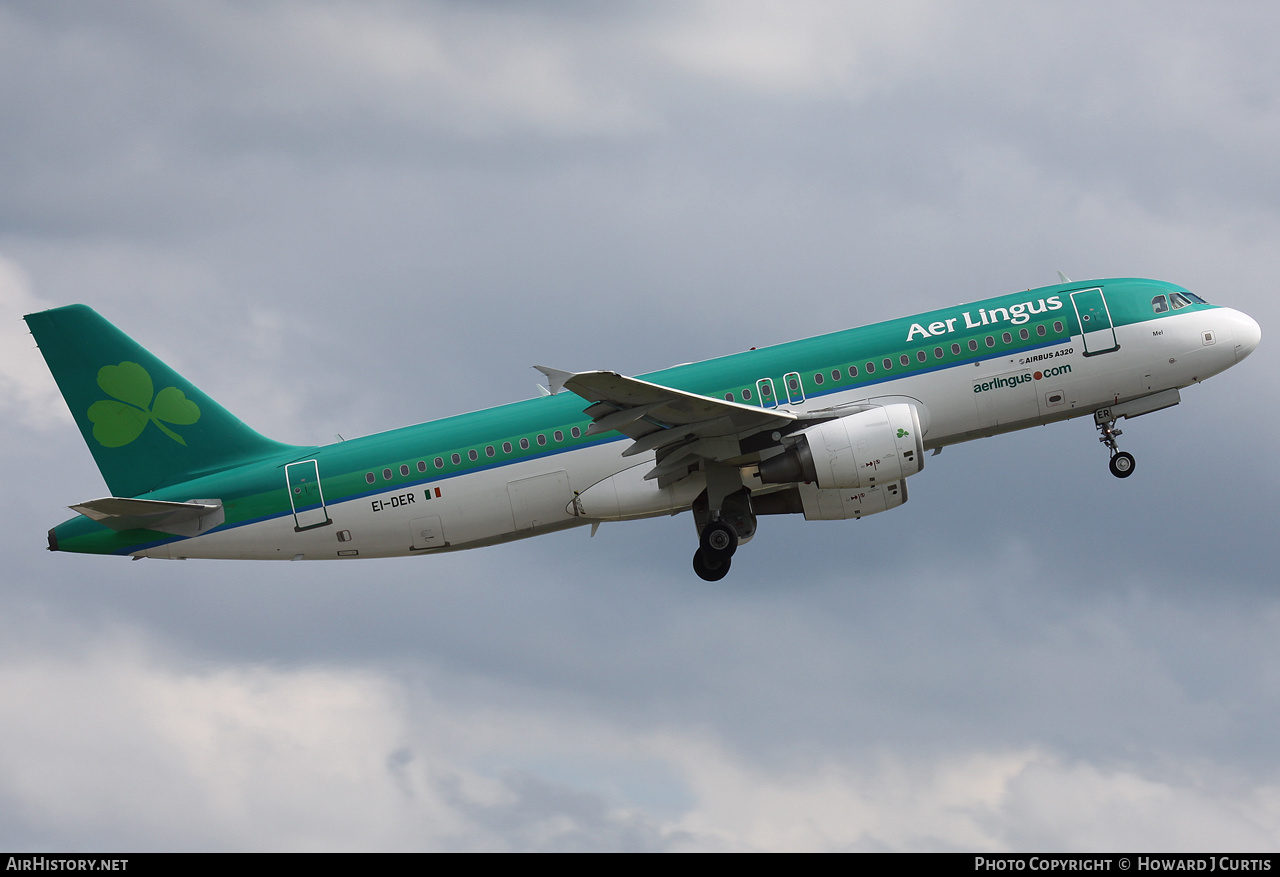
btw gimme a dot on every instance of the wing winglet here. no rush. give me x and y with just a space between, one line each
555 377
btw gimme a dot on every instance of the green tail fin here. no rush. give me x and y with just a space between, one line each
146 425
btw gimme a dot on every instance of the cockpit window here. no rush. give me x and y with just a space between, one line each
1159 304
1195 298
1179 300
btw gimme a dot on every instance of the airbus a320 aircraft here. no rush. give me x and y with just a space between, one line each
828 427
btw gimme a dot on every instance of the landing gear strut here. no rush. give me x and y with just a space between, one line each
1122 462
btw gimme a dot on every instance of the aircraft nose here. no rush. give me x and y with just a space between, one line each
1246 332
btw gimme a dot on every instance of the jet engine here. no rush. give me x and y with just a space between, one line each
868 449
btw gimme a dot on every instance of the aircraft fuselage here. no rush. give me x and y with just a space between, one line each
533 467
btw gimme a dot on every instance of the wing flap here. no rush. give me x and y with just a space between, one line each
683 429
640 408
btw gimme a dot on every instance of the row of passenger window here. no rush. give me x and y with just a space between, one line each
474 454
905 360
793 385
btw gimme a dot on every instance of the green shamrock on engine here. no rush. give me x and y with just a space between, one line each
116 424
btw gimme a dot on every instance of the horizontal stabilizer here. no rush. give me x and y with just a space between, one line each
178 518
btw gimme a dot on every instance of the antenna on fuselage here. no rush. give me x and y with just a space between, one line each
1063 278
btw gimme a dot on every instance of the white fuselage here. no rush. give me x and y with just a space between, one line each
534 496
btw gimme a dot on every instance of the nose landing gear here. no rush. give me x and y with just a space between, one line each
1122 462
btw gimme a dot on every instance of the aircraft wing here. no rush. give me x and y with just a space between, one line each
680 427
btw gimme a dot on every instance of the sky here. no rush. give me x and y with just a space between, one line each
338 218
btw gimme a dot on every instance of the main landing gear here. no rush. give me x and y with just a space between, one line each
721 532
715 551
1122 462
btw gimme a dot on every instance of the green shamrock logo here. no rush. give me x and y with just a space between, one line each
115 424
902 433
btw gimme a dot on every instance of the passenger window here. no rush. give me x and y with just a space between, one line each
835 374
853 371
793 384
404 470
1057 325
524 444
473 455
922 356
991 342
888 364
542 439
1040 330
818 378
575 432
1007 338
746 395
386 474
457 459
439 462
370 477
506 447
973 343
559 436
937 353
905 360
1159 304
422 465
728 397
955 349
1024 334
489 451
871 368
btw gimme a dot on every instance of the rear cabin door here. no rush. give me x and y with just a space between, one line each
305 495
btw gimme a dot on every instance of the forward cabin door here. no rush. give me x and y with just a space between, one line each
1095 322
305 495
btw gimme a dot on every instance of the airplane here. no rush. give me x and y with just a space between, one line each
829 427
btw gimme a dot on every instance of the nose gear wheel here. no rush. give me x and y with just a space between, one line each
1122 462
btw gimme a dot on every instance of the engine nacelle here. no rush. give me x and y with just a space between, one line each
874 447
856 502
